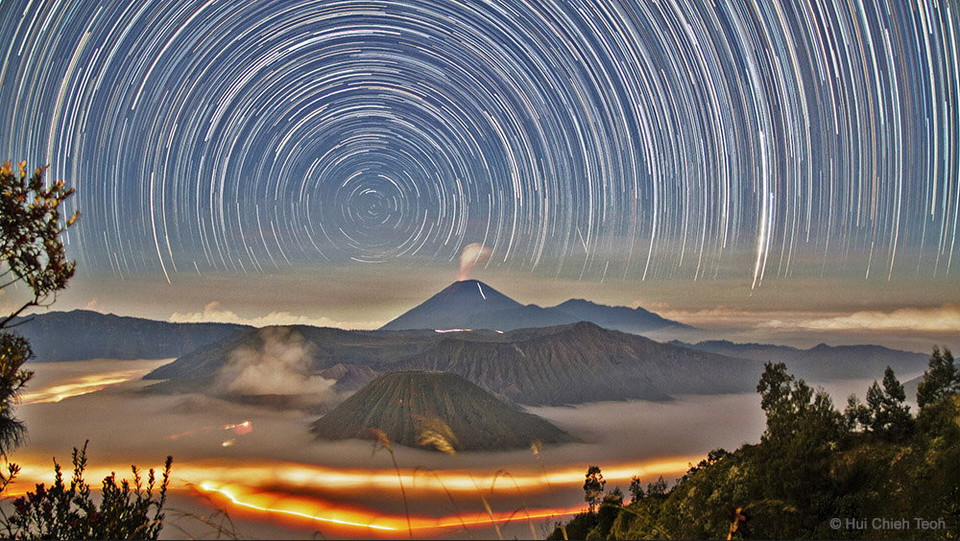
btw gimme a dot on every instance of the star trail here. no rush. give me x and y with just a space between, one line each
598 139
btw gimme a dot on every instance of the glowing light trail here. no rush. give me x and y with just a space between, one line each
259 486
313 510
80 386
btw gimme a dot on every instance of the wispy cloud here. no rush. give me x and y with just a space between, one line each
215 313
943 318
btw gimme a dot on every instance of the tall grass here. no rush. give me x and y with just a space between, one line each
381 438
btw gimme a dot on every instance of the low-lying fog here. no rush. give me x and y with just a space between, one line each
264 449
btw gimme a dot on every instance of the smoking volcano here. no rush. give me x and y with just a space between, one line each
471 304
460 305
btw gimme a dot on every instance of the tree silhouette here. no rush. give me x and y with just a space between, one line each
657 488
30 227
941 378
888 416
32 255
14 351
593 487
636 488
67 510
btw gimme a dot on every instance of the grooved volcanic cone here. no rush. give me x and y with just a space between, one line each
404 405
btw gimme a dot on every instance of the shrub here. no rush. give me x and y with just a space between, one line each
62 511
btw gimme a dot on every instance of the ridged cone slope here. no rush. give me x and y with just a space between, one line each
405 405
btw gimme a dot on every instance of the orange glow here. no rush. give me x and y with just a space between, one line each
240 429
290 491
311 509
80 386
319 477
264 472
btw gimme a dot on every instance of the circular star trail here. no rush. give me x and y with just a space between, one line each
586 138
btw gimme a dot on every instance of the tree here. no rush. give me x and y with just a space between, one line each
857 415
774 389
658 488
636 488
803 430
30 228
793 407
941 378
31 254
886 413
593 487
607 514
14 351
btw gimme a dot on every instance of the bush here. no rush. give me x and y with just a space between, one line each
68 511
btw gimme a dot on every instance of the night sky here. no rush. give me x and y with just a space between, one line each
586 140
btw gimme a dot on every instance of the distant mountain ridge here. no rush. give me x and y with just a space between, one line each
560 365
822 362
406 405
84 334
582 362
471 304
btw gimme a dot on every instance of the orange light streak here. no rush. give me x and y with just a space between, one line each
318 476
266 472
310 509
80 386
241 483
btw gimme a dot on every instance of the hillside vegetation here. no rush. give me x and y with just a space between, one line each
873 471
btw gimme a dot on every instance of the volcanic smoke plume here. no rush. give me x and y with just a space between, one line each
279 365
472 254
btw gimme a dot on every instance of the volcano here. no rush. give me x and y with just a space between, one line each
417 408
471 304
459 305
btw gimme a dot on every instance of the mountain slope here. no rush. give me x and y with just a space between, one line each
619 318
471 304
454 307
582 363
402 404
318 350
83 334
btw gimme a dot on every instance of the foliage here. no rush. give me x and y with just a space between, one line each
32 254
607 513
593 487
31 251
68 511
657 489
941 378
14 352
636 488
579 527
885 414
812 465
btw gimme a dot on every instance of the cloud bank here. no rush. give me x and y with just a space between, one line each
213 312
943 318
